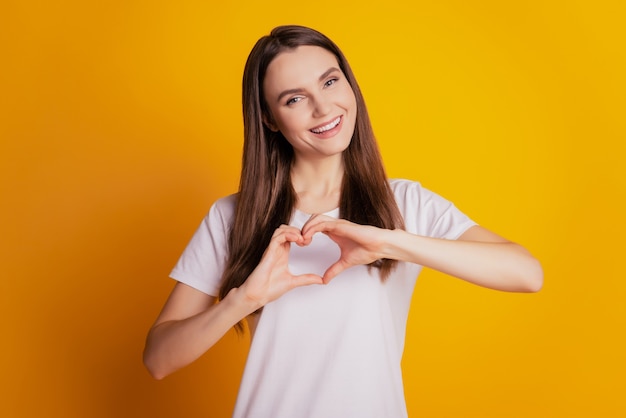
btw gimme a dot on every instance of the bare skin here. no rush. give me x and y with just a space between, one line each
191 322
479 256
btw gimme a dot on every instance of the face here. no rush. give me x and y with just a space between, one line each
310 101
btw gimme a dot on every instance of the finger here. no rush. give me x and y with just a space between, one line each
322 225
285 228
306 280
283 235
334 270
316 219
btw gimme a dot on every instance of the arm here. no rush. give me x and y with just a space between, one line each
479 256
191 322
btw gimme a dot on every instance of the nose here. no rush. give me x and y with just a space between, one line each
321 106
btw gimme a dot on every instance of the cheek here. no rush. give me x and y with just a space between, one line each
290 122
352 105
350 99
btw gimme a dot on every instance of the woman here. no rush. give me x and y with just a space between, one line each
328 314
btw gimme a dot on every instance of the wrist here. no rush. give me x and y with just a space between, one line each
391 244
384 249
238 298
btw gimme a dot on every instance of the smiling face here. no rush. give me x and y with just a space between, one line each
310 102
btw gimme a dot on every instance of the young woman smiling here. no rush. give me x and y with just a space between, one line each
318 250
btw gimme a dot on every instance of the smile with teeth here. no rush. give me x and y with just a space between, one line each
327 127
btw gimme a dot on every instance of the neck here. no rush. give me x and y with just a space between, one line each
318 184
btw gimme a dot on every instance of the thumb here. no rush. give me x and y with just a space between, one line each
306 280
334 270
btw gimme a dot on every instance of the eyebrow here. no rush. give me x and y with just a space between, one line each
292 91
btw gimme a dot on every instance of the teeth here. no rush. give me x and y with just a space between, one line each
327 127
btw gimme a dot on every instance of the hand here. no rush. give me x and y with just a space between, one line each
359 244
272 278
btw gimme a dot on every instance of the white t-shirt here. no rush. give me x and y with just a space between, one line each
330 351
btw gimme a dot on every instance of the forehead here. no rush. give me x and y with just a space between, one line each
295 68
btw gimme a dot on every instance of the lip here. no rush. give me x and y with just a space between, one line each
331 132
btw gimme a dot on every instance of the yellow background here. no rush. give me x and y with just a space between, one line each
120 125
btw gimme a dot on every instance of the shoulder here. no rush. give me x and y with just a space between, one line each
409 191
222 210
226 205
426 212
219 218
202 262
403 184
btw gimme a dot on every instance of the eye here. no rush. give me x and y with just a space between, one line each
331 82
293 100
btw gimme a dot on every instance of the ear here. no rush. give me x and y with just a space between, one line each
269 122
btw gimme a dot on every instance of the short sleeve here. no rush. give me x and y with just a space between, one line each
202 263
428 214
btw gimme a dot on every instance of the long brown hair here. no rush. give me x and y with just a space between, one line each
266 197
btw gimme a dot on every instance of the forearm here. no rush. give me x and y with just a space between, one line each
497 265
173 344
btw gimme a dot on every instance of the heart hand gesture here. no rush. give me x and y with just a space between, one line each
272 278
359 244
